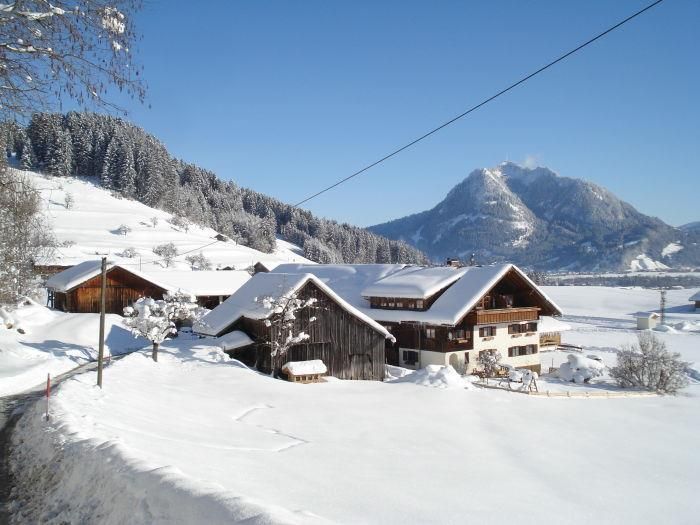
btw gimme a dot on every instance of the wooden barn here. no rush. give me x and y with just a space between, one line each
77 289
349 343
695 298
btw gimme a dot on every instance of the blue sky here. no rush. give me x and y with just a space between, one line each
287 97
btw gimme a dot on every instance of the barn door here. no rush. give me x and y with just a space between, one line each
361 366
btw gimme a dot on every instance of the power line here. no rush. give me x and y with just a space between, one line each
480 104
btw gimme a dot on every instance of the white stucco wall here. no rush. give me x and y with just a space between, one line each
501 342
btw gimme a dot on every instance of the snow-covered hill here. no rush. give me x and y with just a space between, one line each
535 217
91 226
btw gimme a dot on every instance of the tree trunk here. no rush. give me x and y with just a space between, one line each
154 353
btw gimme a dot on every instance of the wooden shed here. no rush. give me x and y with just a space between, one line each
77 289
350 343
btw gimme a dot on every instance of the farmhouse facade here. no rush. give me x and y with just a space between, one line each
77 289
350 344
445 315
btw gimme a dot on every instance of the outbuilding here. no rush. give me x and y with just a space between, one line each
350 343
695 298
647 320
77 289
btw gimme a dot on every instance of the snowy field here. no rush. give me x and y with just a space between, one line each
90 226
196 438
54 342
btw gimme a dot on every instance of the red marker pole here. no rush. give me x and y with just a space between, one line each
48 394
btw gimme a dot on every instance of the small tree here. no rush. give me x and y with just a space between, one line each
155 319
489 360
154 221
167 252
198 262
287 326
649 365
123 229
129 252
69 201
180 222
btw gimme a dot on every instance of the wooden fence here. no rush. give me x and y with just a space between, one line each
568 393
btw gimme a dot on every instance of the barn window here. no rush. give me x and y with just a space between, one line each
460 334
419 303
410 357
391 305
399 304
430 333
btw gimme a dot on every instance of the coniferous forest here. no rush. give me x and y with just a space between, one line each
133 164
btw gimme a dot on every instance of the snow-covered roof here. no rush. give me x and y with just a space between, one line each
233 340
414 282
300 368
695 296
647 315
73 276
351 281
247 301
198 283
548 323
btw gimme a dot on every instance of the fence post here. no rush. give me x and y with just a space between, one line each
48 394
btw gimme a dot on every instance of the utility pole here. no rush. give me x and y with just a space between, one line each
662 306
101 353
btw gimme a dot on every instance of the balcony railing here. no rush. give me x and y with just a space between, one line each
506 315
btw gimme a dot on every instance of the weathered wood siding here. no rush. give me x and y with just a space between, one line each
350 348
123 288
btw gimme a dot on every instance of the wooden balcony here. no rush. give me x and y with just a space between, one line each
503 315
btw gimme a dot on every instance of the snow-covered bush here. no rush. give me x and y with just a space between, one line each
155 319
69 201
180 222
154 221
580 369
489 360
68 243
129 252
198 262
123 229
167 252
649 365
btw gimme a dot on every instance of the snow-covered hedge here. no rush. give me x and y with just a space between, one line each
580 369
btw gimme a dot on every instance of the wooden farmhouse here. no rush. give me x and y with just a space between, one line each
77 289
445 315
350 343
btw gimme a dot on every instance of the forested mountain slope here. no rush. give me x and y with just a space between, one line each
134 164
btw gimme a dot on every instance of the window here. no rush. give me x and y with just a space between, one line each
399 304
514 328
531 349
460 334
487 331
430 333
531 327
410 357
391 305
419 303
513 351
384 304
